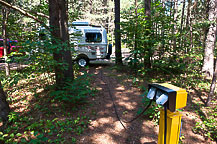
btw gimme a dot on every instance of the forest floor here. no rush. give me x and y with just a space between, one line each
40 118
105 127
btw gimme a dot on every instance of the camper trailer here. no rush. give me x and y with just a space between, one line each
90 42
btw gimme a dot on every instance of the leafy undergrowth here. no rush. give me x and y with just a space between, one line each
205 117
206 124
41 116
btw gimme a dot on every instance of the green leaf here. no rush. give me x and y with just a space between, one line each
18 134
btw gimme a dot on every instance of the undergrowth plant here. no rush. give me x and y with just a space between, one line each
208 124
25 130
75 91
45 119
153 112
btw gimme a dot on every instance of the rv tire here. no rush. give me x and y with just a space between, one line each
82 61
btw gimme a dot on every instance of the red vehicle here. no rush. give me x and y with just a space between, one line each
11 46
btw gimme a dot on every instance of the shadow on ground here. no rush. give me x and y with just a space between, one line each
104 127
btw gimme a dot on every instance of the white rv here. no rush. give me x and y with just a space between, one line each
90 43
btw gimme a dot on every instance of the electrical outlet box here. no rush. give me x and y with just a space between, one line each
177 97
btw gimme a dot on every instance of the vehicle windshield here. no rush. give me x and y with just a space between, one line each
93 37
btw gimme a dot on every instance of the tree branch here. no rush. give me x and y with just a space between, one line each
23 12
40 14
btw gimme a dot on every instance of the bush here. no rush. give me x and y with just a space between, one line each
74 92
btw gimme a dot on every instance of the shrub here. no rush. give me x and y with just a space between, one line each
74 92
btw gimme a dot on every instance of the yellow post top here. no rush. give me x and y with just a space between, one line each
177 97
175 88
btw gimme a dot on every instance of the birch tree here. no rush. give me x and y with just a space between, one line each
5 13
212 86
208 62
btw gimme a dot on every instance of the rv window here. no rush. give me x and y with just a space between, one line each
93 37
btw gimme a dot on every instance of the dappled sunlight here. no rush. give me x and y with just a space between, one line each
128 105
188 122
103 139
101 121
120 88
124 98
96 72
21 109
128 100
39 90
96 120
20 102
108 105
101 82
148 138
118 128
147 125
99 68
106 128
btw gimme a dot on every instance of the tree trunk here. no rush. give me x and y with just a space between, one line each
135 36
4 36
208 62
105 12
182 17
4 106
147 64
163 3
55 31
191 24
187 24
59 30
175 26
188 13
206 29
147 9
171 7
118 54
64 35
162 32
212 87
182 21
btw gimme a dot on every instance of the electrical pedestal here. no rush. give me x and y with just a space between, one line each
173 127
172 98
